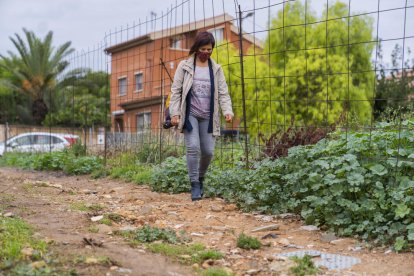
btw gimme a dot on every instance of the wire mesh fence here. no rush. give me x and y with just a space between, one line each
296 71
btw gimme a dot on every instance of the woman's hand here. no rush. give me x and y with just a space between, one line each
228 118
175 120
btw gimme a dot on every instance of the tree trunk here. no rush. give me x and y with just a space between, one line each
39 111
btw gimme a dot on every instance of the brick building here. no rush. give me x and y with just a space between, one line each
139 81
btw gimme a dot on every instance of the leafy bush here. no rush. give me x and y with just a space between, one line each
171 176
304 266
54 161
356 183
247 242
150 234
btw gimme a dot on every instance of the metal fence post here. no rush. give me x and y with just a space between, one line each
242 83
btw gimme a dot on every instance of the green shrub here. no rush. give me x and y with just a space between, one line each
304 266
247 242
355 183
171 176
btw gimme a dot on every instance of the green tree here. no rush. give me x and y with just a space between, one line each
395 85
312 71
81 100
35 69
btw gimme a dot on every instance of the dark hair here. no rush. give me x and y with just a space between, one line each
202 39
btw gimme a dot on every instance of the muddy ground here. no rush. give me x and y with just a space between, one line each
50 203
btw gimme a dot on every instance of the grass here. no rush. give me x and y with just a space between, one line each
15 236
82 206
247 242
188 254
216 272
304 266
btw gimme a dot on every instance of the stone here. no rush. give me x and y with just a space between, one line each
8 215
253 271
27 251
328 237
38 264
178 226
286 216
97 218
91 260
185 257
281 266
309 228
146 209
127 228
105 229
114 267
270 227
230 207
197 234
283 241
216 208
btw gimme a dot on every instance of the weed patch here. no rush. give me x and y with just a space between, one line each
247 242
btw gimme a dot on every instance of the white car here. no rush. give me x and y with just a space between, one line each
38 142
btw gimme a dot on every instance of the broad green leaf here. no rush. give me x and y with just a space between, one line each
402 210
378 169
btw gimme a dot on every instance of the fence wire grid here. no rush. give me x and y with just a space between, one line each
294 69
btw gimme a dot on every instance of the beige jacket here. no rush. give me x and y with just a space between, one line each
183 81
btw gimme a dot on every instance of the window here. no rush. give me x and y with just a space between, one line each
122 86
138 82
143 121
23 141
218 34
176 43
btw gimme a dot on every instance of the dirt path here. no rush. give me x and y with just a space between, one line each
48 201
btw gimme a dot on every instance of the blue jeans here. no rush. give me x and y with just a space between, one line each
199 148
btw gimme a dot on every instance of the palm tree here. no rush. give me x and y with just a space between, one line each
35 69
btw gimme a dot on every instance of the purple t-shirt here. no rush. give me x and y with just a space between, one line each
200 100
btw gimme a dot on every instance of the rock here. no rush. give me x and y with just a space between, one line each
91 260
388 251
266 228
309 228
253 271
216 208
114 267
97 218
281 266
355 249
230 207
195 266
86 191
27 251
270 236
105 229
124 270
107 196
197 234
185 257
38 264
286 216
127 228
338 241
328 237
283 241
172 213
146 209
178 226
8 215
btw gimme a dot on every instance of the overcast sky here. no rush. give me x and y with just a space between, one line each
85 22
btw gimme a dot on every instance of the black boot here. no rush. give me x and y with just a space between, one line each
201 179
195 191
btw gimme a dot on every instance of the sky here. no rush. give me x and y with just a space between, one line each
89 23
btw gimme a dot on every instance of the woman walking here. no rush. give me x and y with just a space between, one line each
198 90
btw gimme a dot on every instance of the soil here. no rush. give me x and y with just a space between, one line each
48 202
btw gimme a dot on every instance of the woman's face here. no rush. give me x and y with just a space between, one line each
206 48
